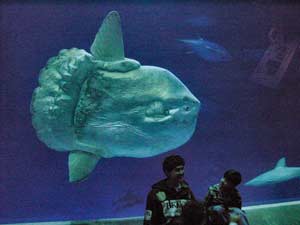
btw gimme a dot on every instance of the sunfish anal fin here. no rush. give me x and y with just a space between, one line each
281 163
108 44
81 164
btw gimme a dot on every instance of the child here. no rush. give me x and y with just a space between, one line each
223 201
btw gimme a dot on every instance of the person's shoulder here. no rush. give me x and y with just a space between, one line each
185 184
186 188
158 191
162 184
214 187
236 191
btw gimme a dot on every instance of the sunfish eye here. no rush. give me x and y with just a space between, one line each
186 108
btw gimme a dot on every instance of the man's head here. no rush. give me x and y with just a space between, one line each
231 179
173 167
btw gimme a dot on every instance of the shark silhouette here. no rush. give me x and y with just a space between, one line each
280 173
207 50
215 53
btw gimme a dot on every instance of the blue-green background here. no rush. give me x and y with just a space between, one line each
242 125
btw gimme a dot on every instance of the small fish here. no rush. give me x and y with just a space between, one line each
129 199
207 50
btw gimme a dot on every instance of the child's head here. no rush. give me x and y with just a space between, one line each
231 179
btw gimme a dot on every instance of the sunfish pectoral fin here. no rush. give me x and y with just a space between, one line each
81 164
281 163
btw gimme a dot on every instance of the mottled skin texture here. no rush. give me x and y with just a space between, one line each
140 113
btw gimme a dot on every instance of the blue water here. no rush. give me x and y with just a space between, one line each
243 125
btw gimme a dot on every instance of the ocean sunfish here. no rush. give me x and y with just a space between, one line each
101 104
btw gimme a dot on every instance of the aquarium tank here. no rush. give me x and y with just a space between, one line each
96 94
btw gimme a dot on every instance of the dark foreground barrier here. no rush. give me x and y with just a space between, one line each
286 213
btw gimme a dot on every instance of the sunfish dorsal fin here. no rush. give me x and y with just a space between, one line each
281 163
108 43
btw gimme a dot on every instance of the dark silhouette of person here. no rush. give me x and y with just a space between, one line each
168 196
223 202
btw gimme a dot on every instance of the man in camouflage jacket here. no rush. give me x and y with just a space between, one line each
223 202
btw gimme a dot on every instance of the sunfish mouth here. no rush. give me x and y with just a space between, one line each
160 117
157 119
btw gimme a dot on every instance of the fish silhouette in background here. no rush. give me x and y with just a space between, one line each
127 200
279 174
213 52
102 105
207 50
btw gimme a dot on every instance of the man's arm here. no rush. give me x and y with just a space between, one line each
208 199
150 212
193 198
212 198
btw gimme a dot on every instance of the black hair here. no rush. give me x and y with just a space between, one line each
172 162
233 176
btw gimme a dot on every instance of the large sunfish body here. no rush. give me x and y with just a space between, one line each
101 104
